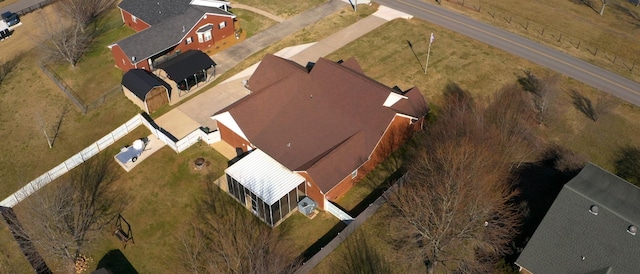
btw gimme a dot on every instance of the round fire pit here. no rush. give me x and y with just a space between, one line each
199 163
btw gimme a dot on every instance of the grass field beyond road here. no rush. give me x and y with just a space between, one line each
610 41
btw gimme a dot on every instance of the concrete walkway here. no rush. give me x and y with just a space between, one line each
230 57
258 11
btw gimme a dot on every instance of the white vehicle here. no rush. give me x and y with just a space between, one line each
5 32
131 153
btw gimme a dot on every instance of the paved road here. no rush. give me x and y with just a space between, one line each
20 5
563 63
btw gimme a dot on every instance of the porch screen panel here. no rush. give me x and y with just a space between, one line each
236 189
267 214
260 205
293 203
302 190
284 205
275 212
241 195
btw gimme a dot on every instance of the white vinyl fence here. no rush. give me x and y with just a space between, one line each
103 143
72 162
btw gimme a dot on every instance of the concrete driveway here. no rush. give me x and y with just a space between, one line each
203 106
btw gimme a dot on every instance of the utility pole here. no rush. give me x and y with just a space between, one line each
428 53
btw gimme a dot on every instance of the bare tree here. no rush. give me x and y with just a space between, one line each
604 4
456 210
508 112
84 12
226 238
51 133
64 40
543 93
563 159
64 219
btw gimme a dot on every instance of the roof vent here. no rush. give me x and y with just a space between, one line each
594 209
133 58
288 144
632 229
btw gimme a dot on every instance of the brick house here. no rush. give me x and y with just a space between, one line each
166 28
312 131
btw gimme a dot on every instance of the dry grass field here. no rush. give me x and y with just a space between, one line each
283 9
25 37
164 186
609 41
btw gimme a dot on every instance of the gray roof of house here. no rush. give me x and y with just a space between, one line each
571 239
154 11
165 34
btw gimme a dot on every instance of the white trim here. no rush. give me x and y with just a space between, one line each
227 120
407 116
264 176
393 98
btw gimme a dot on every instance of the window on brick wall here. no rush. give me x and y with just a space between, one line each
354 174
222 24
204 33
189 40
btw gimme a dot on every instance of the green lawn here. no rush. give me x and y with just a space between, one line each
162 193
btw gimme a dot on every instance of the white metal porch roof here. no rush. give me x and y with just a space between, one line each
264 176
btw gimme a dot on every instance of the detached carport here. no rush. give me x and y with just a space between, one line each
188 69
146 90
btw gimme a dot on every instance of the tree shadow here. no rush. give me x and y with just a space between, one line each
626 164
323 241
24 243
539 184
584 105
588 3
116 262
377 192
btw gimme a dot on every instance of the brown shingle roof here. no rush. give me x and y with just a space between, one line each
327 121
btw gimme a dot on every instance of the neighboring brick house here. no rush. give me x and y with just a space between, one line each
168 27
592 227
321 128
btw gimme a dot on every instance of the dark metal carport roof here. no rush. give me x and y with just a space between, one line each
186 64
140 82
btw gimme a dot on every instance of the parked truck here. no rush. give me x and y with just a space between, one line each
9 19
